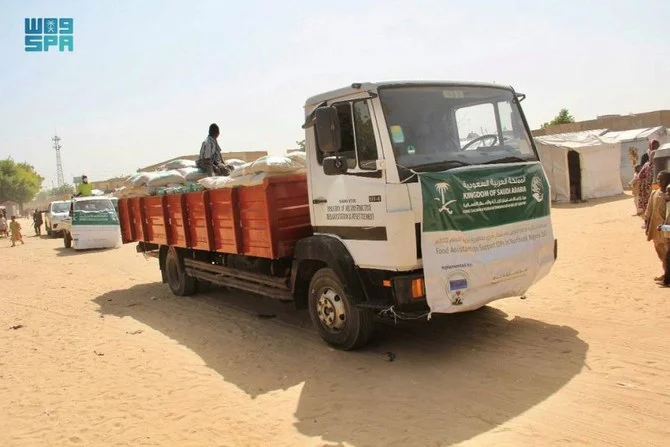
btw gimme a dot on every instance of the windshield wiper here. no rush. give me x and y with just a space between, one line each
510 159
446 164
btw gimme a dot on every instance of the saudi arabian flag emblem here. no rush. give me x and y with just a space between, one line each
486 233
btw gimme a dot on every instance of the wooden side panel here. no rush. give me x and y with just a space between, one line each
225 217
288 208
154 219
125 222
254 222
198 221
175 205
135 206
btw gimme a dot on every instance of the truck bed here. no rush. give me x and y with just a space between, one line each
263 221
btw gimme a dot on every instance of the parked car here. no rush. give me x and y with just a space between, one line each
55 216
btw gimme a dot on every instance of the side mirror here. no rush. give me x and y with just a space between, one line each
327 129
336 165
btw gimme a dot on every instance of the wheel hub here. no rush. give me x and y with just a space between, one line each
331 310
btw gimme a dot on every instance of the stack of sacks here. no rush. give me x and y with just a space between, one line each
251 174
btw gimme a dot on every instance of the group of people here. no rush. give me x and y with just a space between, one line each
651 205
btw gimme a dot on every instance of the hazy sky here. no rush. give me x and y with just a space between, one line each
147 78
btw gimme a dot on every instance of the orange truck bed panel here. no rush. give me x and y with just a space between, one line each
263 221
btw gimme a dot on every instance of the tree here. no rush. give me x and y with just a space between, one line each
563 117
19 182
301 145
65 189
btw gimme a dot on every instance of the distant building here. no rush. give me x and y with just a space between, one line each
612 123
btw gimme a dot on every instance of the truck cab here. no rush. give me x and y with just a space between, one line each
367 145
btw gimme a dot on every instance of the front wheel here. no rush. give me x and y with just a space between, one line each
339 322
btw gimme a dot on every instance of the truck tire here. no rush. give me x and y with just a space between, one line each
49 232
67 240
338 321
179 282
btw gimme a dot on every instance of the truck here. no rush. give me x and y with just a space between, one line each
55 217
418 198
92 223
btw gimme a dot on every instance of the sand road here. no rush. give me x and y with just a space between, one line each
105 355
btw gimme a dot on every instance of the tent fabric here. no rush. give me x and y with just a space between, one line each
600 164
634 143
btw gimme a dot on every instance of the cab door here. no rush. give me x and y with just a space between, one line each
352 206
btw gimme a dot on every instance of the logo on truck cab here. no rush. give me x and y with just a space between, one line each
442 188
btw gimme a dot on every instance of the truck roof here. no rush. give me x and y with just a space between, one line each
89 198
374 86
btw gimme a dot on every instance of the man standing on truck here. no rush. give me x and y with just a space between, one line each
84 188
210 159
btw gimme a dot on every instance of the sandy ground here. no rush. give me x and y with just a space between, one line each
107 356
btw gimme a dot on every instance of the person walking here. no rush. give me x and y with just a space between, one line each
37 222
15 228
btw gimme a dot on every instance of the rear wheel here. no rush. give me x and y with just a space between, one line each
339 322
67 240
180 283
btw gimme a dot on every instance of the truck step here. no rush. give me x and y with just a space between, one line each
265 285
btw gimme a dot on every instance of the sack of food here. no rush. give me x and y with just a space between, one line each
213 182
141 178
297 158
273 163
192 174
165 178
178 164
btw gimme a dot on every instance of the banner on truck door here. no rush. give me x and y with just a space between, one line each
486 233
101 217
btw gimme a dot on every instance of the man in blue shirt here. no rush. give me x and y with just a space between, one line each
210 159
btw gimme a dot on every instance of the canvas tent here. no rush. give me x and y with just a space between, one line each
633 143
581 165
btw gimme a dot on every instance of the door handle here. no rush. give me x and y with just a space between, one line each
319 200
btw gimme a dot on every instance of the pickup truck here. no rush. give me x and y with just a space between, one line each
56 215
418 197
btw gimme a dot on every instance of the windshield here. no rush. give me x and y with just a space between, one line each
433 128
95 205
62 207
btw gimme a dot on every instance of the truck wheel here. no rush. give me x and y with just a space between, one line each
67 240
49 232
179 282
338 321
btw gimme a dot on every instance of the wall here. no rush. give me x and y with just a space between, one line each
624 122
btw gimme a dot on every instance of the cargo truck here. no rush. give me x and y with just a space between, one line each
418 197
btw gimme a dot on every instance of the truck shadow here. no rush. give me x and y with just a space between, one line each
417 383
64 252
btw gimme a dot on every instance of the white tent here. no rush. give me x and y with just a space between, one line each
633 143
595 164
